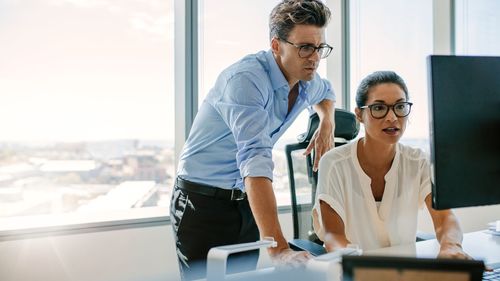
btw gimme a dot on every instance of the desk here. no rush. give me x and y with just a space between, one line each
480 245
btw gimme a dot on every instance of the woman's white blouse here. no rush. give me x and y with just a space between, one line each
346 188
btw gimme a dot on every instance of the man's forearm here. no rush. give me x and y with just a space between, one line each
263 203
325 110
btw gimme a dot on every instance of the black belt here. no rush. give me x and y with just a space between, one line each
211 191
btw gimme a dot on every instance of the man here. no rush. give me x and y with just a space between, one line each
223 193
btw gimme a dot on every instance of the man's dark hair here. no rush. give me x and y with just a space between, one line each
377 78
289 13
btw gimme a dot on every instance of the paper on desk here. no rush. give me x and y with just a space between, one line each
494 228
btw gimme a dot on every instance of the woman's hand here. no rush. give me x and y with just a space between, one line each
453 251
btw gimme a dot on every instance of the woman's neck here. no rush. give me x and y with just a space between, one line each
376 154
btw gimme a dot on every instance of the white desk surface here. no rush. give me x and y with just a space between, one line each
480 245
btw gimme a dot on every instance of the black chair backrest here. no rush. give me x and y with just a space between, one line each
346 129
346 126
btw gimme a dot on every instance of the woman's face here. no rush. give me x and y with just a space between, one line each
390 128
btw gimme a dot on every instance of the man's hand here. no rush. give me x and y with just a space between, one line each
454 251
288 258
321 141
263 203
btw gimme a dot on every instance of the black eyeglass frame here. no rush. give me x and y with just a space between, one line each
389 107
323 46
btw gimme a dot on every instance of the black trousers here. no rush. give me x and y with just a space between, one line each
201 222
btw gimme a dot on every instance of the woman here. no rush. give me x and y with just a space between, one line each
369 191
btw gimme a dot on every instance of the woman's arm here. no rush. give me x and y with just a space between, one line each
448 232
333 225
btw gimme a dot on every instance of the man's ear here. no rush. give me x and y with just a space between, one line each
358 113
275 45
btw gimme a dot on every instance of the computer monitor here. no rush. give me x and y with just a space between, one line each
464 99
366 268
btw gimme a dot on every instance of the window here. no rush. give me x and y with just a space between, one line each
87 106
225 38
394 35
477 25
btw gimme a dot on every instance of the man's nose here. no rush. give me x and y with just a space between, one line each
316 56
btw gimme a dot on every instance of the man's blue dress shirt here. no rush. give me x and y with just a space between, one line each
241 119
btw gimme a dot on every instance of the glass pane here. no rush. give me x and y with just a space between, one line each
87 106
394 35
477 27
226 36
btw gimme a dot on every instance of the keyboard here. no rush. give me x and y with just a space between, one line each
492 275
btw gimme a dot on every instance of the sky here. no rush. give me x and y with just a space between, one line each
86 69
79 70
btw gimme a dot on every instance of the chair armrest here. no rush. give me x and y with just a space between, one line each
306 245
217 256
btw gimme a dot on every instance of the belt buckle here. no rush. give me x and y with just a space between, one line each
235 197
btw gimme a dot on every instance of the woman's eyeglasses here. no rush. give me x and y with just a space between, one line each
380 110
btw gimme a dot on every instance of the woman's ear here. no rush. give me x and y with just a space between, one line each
358 112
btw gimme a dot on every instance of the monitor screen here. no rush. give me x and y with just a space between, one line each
464 99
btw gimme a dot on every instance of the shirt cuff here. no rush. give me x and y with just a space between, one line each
257 166
330 95
426 190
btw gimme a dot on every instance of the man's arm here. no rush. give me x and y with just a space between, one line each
448 232
322 140
263 204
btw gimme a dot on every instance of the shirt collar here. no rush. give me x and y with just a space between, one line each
304 84
303 88
278 80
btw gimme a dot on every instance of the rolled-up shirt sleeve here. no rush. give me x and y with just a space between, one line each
242 107
330 191
322 90
425 181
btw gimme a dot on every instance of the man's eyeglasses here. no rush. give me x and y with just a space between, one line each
308 50
380 110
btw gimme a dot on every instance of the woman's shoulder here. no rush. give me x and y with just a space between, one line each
339 153
412 153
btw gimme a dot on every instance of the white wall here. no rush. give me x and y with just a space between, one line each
134 254
145 254
126 255
471 218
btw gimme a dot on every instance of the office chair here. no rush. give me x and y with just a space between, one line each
346 129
